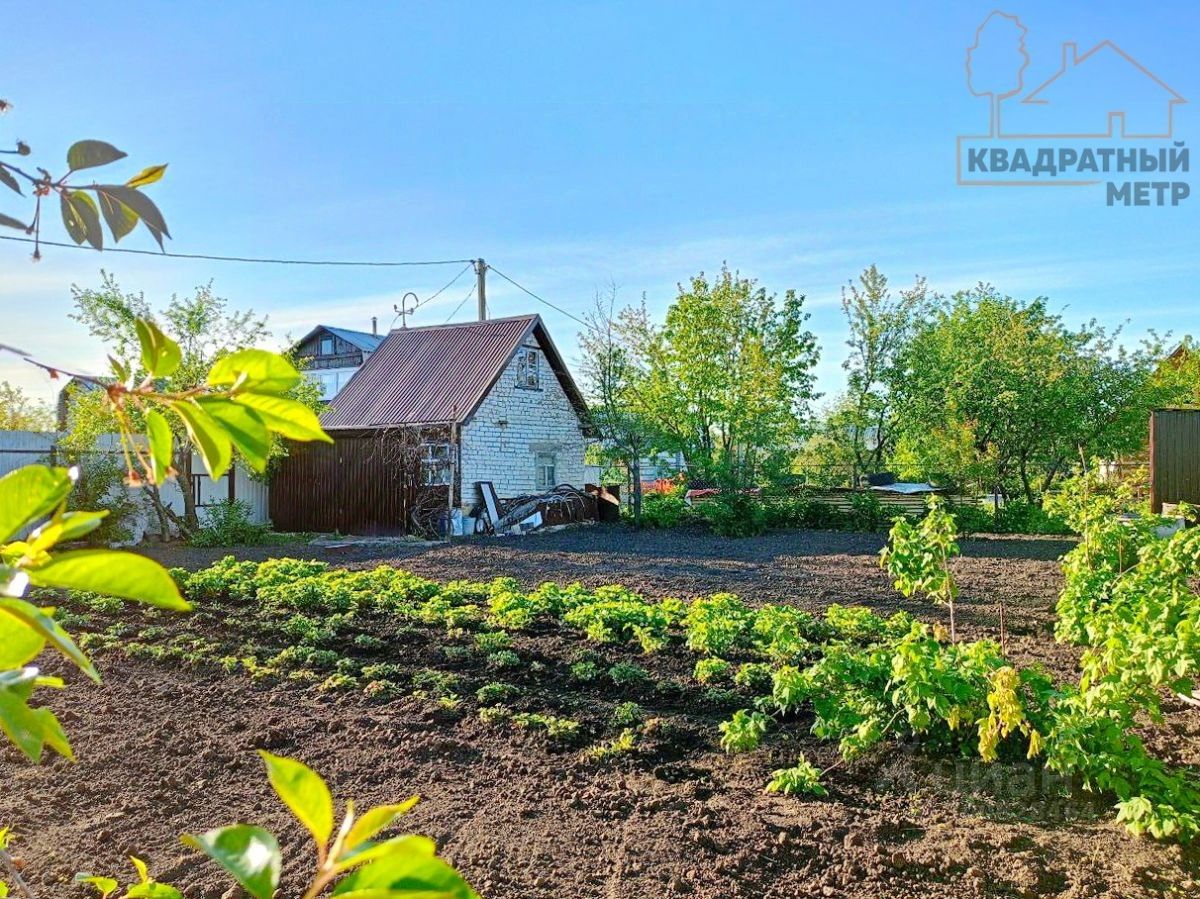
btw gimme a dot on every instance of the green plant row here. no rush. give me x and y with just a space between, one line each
733 514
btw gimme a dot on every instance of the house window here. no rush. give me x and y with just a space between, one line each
529 374
436 467
545 477
326 346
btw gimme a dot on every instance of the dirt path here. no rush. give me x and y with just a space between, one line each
165 750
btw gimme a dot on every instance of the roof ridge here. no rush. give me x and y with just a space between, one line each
528 316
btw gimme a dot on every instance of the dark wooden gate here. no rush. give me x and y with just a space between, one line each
355 485
1174 457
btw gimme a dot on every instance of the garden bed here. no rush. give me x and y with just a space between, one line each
166 746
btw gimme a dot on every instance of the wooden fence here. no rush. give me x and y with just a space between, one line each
1174 457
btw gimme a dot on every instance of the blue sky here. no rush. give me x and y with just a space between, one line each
573 145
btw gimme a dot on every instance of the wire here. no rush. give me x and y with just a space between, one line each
460 305
447 286
539 299
71 246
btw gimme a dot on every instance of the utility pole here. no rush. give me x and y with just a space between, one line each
481 287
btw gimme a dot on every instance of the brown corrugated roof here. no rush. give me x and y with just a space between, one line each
439 373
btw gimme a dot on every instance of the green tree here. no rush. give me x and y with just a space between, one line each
207 331
1001 392
20 412
615 383
729 376
880 324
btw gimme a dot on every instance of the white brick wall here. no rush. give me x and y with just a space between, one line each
501 441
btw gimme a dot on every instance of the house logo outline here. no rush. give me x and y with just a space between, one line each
1070 63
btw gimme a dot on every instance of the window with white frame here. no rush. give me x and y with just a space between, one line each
436 464
544 472
529 365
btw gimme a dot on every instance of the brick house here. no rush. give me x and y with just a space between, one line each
478 401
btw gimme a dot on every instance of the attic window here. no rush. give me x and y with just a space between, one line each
529 369
326 346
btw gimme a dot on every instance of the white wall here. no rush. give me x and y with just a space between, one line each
501 441
20 448
331 380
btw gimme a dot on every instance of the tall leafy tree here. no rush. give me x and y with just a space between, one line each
1002 392
729 376
20 412
615 383
880 323
206 330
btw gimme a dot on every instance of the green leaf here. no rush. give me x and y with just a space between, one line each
304 792
207 435
10 222
33 617
104 885
160 354
376 820
19 643
85 206
285 417
153 890
250 854
244 427
370 852
112 573
406 873
29 729
87 154
148 175
78 524
257 371
121 219
28 494
141 205
140 867
9 181
3 890
72 220
161 440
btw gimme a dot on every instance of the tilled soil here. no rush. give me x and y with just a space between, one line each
165 750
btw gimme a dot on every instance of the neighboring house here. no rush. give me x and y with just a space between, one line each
331 356
491 400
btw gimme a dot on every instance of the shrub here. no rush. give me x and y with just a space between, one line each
735 513
665 510
503 659
1019 517
227 523
866 512
100 487
585 671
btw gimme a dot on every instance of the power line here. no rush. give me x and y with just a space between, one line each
539 299
211 258
445 287
460 305
429 299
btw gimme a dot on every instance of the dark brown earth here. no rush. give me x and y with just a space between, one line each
164 750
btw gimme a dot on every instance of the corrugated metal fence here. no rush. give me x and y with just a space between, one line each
1174 457
350 486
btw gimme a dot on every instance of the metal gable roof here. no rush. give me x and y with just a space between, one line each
361 339
439 374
